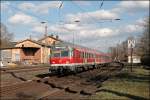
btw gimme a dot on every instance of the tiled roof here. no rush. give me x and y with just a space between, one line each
49 37
37 42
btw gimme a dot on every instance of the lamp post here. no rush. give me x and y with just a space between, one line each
45 51
76 21
45 27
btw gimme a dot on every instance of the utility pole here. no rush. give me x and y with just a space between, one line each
45 30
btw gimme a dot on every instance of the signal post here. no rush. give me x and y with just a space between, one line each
131 45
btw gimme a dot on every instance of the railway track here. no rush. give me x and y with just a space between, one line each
81 85
18 70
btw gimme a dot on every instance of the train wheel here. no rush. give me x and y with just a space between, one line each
60 71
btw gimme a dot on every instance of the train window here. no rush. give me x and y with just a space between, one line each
83 54
56 54
80 54
91 55
64 53
86 55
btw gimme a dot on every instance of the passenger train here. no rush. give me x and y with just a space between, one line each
67 57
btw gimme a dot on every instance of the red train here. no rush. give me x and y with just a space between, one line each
73 58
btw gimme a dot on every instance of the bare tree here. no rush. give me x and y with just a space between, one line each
6 37
144 41
119 52
144 45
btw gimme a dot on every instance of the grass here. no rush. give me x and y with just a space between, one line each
126 86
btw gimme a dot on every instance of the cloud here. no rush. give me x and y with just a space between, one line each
136 27
95 15
131 6
5 5
103 32
42 8
82 3
134 4
21 18
142 21
38 29
27 6
131 28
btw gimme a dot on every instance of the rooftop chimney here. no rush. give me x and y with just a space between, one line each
51 35
57 36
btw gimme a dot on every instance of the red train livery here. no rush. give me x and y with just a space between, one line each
69 57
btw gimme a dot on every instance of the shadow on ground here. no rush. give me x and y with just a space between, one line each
122 94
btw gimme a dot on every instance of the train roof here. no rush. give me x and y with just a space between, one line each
79 47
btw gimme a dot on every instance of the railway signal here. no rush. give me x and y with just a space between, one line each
131 45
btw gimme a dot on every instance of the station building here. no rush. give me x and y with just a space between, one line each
29 51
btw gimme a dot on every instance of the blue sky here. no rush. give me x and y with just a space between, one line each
96 29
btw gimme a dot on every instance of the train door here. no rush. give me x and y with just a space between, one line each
85 58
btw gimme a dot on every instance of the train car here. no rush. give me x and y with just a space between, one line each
73 58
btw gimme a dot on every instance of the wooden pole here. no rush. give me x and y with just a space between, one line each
131 58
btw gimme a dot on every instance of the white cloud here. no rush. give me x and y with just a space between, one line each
103 32
81 3
5 5
95 15
38 29
131 6
42 8
131 28
136 27
142 21
134 4
21 18
26 6
85 32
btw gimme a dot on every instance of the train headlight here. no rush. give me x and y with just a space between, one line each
53 62
67 62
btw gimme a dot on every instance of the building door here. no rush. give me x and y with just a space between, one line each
17 56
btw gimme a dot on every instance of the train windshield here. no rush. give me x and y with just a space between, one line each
64 53
56 55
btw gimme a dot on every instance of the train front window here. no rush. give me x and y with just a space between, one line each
56 55
64 53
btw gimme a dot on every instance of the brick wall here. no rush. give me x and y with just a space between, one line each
36 58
